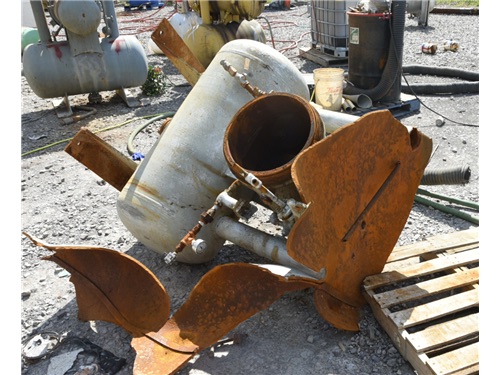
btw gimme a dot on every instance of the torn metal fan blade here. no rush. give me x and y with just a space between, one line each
113 287
223 298
360 182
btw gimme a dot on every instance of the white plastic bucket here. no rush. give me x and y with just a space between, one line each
329 84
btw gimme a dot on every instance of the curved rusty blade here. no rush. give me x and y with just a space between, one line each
336 312
113 287
223 298
172 45
360 182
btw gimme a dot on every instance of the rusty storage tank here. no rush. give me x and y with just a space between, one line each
330 26
185 170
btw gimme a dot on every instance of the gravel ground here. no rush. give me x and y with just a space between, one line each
62 202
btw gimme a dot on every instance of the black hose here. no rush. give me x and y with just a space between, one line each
442 88
393 67
441 71
446 176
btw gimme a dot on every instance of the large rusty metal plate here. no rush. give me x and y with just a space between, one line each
360 182
223 298
113 287
172 45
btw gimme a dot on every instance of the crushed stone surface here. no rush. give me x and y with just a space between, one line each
65 203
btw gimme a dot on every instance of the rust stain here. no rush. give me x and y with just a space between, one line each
117 44
359 204
57 50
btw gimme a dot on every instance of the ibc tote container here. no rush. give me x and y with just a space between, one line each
330 26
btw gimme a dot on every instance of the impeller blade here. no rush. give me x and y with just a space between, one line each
360 182
113 287
223 298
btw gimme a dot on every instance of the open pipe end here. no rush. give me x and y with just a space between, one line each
266 135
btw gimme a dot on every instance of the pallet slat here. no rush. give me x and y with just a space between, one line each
460 359
422 269
433 310
467 238
446 332
320 57
427 288
427 300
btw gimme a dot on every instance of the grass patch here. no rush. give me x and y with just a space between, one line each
458 3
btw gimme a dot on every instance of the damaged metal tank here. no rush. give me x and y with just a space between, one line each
205 26
185 170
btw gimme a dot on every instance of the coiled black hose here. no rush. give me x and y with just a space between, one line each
441 71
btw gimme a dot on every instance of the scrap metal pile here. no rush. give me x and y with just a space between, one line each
245 137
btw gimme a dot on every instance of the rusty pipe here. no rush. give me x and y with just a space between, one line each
266 135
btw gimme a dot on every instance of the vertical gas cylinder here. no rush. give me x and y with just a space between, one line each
368 48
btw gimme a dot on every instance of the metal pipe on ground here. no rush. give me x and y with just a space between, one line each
263 244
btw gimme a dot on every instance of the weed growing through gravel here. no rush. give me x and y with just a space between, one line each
156 82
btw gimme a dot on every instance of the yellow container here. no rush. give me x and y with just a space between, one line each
329 84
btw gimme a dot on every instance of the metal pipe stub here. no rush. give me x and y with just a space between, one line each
266 135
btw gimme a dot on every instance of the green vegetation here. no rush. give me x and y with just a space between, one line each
458 3
156 82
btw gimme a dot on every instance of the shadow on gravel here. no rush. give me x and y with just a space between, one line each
44 130
419 29
77 344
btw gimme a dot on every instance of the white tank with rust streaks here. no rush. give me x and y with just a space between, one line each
185 170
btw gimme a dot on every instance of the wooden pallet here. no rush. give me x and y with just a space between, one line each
320 57
427 300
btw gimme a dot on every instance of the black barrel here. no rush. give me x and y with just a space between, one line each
369 42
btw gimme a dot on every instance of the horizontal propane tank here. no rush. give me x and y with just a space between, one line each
79 61
206 40
52 70
247 9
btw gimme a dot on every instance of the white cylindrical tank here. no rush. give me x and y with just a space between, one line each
182 23
416 7
185 170
52 70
